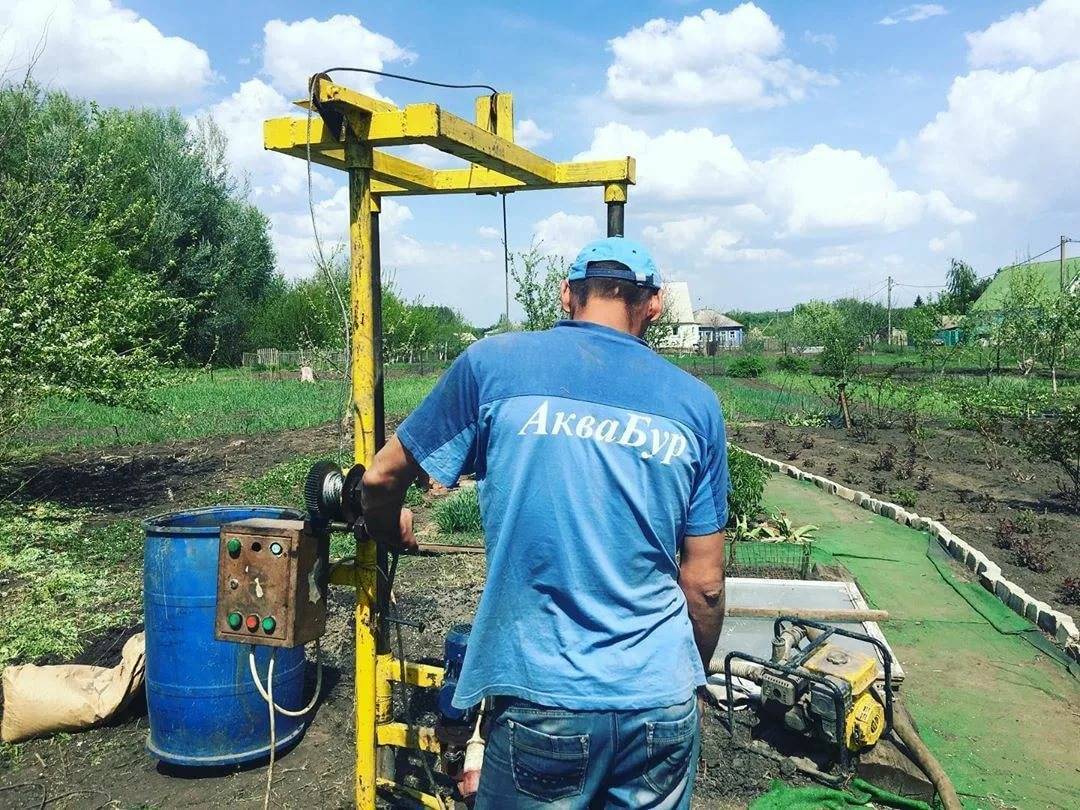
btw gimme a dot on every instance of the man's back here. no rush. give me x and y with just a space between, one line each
594 457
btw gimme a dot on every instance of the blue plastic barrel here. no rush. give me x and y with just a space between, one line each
204 707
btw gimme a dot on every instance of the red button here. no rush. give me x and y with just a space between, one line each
252 622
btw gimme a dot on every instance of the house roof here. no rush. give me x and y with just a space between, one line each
717 320
1047 275
677 302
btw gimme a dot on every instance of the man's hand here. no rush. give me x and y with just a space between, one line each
385 482
408 539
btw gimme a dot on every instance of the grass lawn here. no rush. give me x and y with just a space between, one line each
195 405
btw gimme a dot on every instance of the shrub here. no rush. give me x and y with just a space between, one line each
748 479
905 497
792 364
459 512
886 459
1070 590
747 366
1005 533
1026 521
1031 557
1055 439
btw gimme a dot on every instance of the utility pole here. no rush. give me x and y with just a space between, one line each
888 335
1061 265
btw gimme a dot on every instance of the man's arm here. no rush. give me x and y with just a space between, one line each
701 577
383 495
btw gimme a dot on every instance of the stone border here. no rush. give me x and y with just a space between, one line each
1057 624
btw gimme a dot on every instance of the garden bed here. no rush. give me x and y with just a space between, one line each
987 493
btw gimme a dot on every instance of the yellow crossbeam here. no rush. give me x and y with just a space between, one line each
424 675
401 735
395 176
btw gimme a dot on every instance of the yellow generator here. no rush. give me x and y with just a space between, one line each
820 688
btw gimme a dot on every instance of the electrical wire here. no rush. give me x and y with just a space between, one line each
273 730
346 326
265 694
413 79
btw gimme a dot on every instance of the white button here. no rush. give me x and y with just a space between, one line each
275 549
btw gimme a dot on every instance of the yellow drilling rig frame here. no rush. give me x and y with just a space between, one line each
343 130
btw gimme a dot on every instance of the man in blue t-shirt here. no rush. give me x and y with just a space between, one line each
602 474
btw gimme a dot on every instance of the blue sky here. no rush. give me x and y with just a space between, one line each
785 150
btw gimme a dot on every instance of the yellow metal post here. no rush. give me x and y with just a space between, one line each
343 136
362 298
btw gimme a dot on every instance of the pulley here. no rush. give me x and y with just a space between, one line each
332 495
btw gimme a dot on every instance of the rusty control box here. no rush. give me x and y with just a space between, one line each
272 582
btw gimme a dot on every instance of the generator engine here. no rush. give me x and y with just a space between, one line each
822 689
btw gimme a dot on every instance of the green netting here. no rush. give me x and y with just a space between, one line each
997 710
858 794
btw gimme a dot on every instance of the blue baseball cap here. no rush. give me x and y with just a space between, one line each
616 257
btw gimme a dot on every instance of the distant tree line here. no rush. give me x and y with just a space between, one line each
307 314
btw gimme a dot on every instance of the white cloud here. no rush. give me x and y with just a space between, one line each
488 232
292 52
830 189
275 179
96 49
528 133
1041 35
826 41
677 234
565 234
952 242
915 13
838 256
707 59
677 164
1007 137
820 190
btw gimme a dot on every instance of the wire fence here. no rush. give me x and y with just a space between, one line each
330 364
750 558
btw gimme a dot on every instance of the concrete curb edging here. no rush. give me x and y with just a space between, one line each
1059 625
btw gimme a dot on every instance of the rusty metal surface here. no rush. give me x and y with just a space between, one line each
289 586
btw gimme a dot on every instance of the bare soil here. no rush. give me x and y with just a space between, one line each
109 766
138 480
988 494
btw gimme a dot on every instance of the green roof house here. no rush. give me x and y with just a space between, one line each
1047 274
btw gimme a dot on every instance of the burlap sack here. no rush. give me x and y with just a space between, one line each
69 697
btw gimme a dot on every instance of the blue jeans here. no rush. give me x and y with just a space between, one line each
543 757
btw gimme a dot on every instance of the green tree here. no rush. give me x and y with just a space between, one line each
963 288
538 276
920 323
1060 332
78 316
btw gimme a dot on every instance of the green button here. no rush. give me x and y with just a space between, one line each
235 620
233 546
268 624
